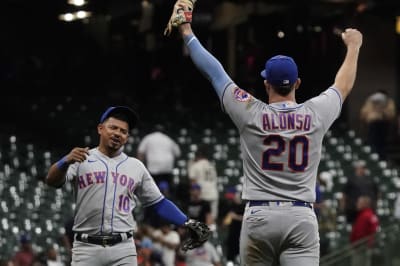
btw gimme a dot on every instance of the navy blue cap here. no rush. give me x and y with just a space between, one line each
163 185
132 116
195 186
280 70
24 239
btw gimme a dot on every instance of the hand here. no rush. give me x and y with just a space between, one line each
77 155
352 38
181 14
198 233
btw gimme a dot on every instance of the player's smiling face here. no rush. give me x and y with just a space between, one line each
113 133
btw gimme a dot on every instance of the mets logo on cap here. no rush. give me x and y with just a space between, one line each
241 95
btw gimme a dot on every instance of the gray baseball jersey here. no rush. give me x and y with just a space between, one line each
105 190
281 145
281 142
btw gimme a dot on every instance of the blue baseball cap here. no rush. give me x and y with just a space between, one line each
195 186
163 185
24 239
132 116
280 70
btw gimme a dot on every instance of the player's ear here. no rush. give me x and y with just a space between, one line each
297 83
99 128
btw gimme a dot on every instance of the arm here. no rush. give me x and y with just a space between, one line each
67 244
167 210
56 174
346 74
208 65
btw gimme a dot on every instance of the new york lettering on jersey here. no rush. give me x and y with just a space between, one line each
87 179
107 181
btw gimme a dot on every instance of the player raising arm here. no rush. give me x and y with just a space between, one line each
107 183
281 144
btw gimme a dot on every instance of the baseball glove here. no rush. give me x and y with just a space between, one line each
198 233
182 13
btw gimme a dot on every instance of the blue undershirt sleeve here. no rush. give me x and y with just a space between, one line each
208 65
170 212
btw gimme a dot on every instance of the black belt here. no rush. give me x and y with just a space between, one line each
279 202
104 240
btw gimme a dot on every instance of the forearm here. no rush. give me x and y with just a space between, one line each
170 212
346 74
56 176
208 65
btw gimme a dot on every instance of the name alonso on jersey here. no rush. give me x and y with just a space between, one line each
286 121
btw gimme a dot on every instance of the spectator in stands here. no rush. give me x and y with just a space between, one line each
361 184
205 255
146 254
166 241
196 208
159 152
25 256
6 262
204 172
377 115
53 259
232 211
364 228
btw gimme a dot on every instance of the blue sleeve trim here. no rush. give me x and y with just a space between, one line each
208 65
170 212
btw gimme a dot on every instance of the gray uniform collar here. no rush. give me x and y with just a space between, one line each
121 156
285 105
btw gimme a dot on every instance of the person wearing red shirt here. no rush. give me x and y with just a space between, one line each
25 256
365 226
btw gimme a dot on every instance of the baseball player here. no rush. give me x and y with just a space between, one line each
107 183
281 144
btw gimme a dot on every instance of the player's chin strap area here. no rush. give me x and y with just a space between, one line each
104 240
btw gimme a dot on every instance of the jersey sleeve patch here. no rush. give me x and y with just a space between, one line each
241 95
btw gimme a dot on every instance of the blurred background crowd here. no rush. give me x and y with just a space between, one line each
59 68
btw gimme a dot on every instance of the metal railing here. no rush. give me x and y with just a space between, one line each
384 252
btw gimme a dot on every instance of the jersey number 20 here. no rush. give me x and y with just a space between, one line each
280 146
